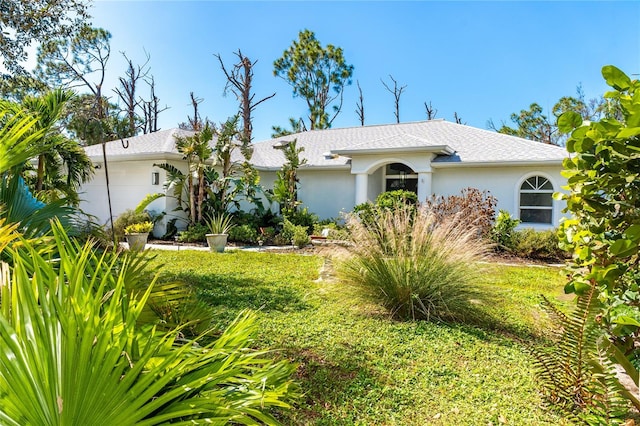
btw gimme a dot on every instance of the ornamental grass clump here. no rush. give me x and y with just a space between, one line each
417 266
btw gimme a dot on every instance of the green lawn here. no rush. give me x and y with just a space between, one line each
357 366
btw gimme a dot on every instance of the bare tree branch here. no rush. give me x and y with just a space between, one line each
360 104
431 111
396 92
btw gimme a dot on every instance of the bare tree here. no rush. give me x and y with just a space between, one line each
360 104
151 108
194 123
396 92
127 91
239 82
457 119
431 111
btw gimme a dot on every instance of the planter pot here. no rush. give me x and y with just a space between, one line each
217 242
137 241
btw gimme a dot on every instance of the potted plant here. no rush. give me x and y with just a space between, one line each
137 235
219 226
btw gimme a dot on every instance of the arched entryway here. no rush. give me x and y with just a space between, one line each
399 176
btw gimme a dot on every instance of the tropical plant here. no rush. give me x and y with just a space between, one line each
503 231
285 188
576 373
127 218
220 223
193 234
243 234
74 352
604 230
416 265
139 228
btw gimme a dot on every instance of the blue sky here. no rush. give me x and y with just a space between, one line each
483 60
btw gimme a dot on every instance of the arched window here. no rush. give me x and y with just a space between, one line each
536 200
400 176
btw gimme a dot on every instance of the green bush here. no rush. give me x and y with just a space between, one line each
418 267
542 245
336 232
503 232
194 234
127 218
294 234
303 218
243 234
395 199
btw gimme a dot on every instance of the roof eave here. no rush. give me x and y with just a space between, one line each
117 158
536 163
436 149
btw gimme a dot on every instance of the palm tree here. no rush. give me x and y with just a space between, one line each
64 166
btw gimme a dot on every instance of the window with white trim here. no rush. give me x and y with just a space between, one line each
536 200
400 176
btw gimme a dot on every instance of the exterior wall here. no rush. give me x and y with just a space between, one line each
129 183
327 192
503 183
376 184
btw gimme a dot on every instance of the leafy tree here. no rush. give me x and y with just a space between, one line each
604 232
317 74
285 188
82 123
80 62
39 21
295 126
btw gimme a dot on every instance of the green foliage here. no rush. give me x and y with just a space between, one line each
194 234
603 176
139 228
127 218
54 19
220 223
358 367
295 234
396 199
575 373
503 231
303 218
533 244
316 73
416 266
285 188
70 335
243 234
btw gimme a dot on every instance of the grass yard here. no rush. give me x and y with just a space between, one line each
358 367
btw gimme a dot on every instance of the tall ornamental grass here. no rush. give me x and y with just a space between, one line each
419 267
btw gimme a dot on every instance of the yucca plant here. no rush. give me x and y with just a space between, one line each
219 223
418 267
73 350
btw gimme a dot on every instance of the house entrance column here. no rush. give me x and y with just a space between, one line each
424 186
362 185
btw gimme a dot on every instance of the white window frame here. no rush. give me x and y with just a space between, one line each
553 208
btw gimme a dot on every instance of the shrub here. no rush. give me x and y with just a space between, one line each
395 199
139 228
418 267
194 234
243 234
295 234
336 232
128 217
503 232
303 218
475 206
532 244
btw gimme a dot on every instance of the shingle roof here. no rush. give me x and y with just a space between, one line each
455 144
158 143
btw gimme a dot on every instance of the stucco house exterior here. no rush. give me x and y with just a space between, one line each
349 166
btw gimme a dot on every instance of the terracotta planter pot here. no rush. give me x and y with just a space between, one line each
217 242
137 242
